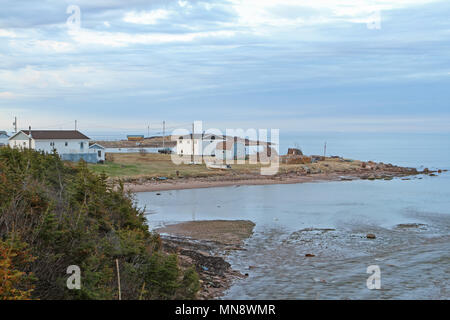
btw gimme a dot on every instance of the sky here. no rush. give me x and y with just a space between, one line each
313 66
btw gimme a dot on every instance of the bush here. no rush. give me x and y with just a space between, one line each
62 215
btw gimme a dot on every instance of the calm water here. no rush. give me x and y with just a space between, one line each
330 220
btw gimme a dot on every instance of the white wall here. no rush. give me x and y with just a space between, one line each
229 154
98 150
21 141
73 146
184 147
61 146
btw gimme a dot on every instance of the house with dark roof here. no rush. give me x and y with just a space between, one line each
71 145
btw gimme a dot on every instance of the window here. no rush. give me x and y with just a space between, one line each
81 145
52 144
213 138
99 152
66 144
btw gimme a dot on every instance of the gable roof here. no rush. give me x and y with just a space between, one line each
96 146
54 134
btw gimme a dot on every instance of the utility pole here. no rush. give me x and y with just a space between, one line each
325 149
75 125
192 157
164 134
148 132
15 124
29 137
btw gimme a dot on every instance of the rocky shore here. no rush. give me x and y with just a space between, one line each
205 244
330 170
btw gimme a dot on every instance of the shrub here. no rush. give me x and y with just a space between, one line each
66 215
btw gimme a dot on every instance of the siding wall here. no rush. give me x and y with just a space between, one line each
184 147
73 146
75 157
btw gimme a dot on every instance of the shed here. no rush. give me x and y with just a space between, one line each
99 150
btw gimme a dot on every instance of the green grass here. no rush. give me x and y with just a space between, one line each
156 165
117 170
135 165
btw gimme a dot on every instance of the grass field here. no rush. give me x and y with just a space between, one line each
158 165
136 165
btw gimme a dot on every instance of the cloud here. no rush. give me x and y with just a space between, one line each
7 95
7 34
41 46
236 55
146 17
283 13
121 39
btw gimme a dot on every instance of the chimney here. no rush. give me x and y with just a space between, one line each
29 138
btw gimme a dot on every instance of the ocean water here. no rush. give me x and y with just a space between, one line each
410 218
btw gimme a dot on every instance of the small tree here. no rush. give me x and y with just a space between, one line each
14 284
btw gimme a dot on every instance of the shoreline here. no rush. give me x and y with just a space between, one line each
205 245
290 178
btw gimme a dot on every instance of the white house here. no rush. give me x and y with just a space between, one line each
210 145
71 145
231 149
3 138
200 145
99 150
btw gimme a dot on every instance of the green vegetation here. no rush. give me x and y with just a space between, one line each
54 215
136 165
133 165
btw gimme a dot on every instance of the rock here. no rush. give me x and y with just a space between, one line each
410 225
310 255
306 169
426 170
158 194
251 267
371 236
363 165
